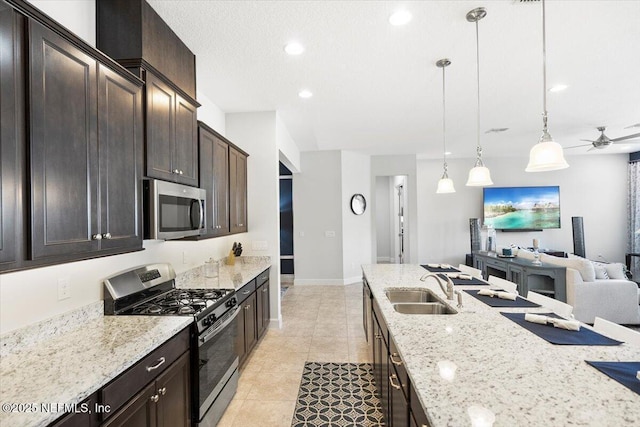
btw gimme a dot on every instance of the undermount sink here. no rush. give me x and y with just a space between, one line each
423 308
412 295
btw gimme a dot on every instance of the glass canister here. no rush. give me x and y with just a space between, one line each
211 273
491 239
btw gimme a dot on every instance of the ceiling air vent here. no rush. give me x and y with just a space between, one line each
497 130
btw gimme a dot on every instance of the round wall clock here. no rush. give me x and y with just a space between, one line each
358 204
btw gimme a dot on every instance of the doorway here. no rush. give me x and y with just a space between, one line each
391 220
286 226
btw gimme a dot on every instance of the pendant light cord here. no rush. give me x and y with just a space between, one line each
544 68
479 149
444 130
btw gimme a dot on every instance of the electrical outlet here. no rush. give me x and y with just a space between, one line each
64 288
329 234
301 234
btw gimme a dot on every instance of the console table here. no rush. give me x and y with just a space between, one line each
546 278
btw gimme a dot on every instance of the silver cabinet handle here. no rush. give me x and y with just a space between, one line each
96 237
398 362
378 337
106 236
391 378
180 172
155 398
157 365
163 391
176 171
240 225
246 292
265 290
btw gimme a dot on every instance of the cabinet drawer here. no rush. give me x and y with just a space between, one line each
116 393
244 292
263 277
494 262
380 320
400 370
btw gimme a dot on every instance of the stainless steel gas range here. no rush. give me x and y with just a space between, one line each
150 290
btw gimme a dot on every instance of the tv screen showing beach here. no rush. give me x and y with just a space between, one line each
522 208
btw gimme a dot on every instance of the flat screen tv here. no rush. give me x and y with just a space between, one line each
522 208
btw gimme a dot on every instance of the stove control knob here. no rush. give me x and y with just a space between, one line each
231 302
206 322
211 318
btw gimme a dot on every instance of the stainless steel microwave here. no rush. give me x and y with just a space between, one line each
173 211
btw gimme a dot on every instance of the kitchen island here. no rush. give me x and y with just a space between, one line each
522 379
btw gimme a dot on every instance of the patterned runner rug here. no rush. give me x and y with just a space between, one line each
337 394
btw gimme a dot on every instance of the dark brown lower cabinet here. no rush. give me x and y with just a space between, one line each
418 417
163 403
83 418
249 314
381 368
262 307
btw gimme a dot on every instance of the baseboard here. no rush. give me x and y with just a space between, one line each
287 279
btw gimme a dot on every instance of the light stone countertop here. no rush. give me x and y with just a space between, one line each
521 378
66 363
235 276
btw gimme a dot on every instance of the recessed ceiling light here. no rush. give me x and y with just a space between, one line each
447 153
401 17
294 48
305 94
557 88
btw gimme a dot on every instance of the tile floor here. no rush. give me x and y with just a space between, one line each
319 324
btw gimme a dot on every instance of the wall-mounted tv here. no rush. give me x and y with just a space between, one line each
522 208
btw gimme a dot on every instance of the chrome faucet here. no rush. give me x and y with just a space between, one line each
449 291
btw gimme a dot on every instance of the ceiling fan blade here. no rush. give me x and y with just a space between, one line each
622 138
578 146
591 149
633 141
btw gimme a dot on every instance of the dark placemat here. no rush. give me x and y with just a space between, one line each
623 372
499 302
561 336
440 270
473 282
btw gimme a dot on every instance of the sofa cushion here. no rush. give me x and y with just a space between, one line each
601 271
615 271
584 266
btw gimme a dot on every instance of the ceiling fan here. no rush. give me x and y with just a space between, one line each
604 141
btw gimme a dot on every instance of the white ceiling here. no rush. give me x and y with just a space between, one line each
376 87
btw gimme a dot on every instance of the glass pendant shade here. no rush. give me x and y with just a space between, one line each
546 156
479 176
445 185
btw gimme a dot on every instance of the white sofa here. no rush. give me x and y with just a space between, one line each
615 299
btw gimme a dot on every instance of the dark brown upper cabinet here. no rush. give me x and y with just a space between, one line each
172 133
11 137
214 178
85 151
132 33
237 190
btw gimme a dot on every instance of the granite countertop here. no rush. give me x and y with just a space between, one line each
66 359
521 378
234 276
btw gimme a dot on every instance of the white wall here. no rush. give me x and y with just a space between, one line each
79 16
594 187
394 166
356 229
289 152
317 201
209 113
256 134
382 209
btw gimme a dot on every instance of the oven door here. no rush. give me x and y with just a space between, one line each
217 363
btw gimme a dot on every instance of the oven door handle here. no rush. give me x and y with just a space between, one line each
219 329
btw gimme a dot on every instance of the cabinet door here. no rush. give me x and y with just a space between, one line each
80 419
160 126
186 143
398 406
238 191
214 178
262 306
140 411
64 149
221 186
120 136
241 349
250 336
173 389
11 125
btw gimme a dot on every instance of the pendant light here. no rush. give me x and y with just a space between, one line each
546 155
479 175
445 185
